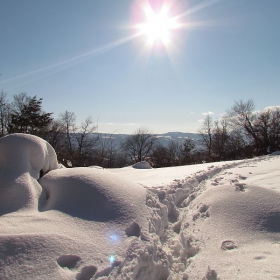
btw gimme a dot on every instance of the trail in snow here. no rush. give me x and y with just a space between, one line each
208 221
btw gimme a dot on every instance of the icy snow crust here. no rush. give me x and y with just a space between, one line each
207 221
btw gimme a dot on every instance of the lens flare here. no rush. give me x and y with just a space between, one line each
112 259
114 238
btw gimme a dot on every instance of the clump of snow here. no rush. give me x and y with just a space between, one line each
142 165
93 194
22 159
276 153
26 153
209 221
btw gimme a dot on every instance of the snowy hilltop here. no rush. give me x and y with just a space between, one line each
206 221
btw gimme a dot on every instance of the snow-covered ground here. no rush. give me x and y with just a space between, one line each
206 221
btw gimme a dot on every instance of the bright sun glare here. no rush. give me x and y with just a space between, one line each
158 26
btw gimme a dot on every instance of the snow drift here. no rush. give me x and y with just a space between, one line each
22 158
93 194
56 226
142 165
207 221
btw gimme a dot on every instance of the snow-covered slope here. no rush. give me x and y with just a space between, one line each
223 218
207 221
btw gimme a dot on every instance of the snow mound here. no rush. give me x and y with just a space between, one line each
276 153
38 255
236 219
22 159
142 165
60 223
233 225
92 194
26 153
255 209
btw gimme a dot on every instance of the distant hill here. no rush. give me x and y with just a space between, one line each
177 136
164 138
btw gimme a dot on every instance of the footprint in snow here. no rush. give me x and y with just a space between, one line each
233 181
68 261
210 275
259 258
72 262
87 272
239 187
202 212
228 245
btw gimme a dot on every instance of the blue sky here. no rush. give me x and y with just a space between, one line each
86 57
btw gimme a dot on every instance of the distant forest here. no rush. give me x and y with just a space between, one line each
241 133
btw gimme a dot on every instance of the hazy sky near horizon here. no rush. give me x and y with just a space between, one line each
91 58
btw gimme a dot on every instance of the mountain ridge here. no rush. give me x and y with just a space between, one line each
163 138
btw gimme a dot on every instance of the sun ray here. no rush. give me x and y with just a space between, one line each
197 8
159 30
67 63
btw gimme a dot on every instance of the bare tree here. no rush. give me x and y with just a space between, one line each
138 146
5 109
206 132
106 150
84 142
241 117
175 153
170 155
159 156
275 130
82 137
236 147
219 139
68 125
188 148
19 101
267 129
55 135
78 143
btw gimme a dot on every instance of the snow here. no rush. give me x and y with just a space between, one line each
206 221
142 165
20 169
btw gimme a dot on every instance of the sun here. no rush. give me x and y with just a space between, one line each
158 26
